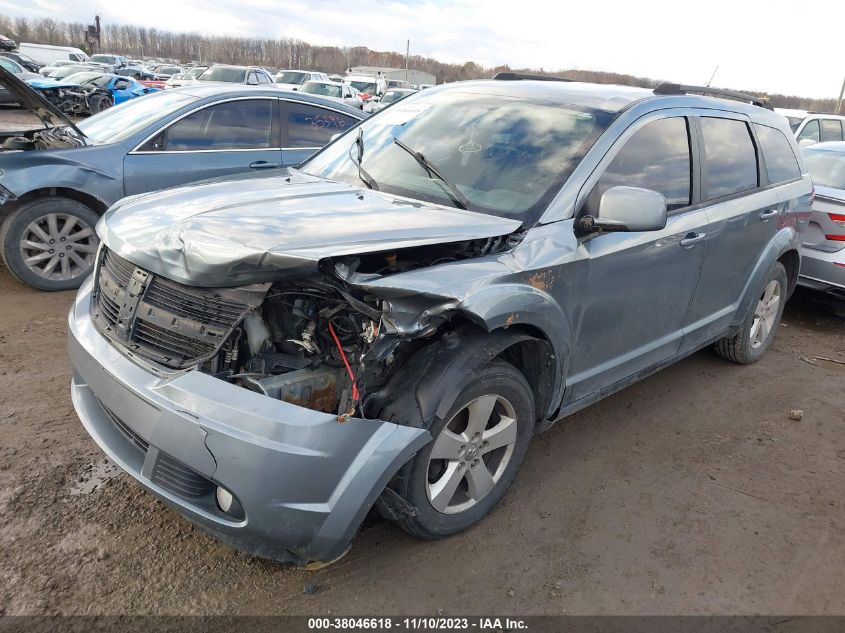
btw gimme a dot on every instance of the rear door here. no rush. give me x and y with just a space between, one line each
744 213
307 128
230 137
639 285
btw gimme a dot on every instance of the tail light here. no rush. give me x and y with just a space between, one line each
839 220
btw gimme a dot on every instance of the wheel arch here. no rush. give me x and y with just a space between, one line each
92 202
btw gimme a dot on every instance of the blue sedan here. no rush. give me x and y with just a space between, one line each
89 92
62 177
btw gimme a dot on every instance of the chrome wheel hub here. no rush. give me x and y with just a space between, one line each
58 246
471 454
765 314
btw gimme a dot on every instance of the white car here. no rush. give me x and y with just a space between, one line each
295 79
364 84
814 127
391 96
334 91
187 78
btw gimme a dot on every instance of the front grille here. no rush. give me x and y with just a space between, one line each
170 323
176 477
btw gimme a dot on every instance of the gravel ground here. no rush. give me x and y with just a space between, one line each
691 492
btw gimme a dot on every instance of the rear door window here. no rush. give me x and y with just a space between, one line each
831 130
730 158
810 131
656 157
305 125
781 164
245 124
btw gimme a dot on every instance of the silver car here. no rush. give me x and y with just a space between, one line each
391 322
823 248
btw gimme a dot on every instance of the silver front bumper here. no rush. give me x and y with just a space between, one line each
305 481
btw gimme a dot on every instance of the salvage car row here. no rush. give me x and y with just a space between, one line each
352 312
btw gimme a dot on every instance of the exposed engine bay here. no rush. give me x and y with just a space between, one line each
73 100
324 345
51 138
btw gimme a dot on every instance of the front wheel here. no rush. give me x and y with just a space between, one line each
758 330
457 479
50 243
98 103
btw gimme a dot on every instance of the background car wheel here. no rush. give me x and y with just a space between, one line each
758 329
477 450
98 103
50 243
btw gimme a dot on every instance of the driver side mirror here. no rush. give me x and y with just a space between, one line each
627 209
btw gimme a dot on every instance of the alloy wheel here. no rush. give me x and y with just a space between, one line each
58 246
765 314
471 453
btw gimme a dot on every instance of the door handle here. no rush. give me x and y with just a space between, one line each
768 213
692 239
263 164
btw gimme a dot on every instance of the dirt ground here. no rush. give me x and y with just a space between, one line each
691 492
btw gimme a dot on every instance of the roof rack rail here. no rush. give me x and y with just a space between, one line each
682 89
520 77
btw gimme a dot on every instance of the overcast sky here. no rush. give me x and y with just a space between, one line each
764 45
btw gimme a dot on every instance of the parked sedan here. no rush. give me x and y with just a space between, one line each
46 70
823 249
97 91
16 69
56 181
7 44
250 75
25 61
186 78
391 96
336 91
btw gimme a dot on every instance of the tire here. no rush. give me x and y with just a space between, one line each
69 223
98 103
423 477
754 337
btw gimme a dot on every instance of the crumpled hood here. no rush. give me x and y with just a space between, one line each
253 230
47 84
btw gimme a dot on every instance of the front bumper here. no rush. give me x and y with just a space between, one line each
821 270
304 481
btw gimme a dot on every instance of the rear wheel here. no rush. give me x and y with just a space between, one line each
50 243
758 329
457 479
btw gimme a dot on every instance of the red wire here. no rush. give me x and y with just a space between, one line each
355 394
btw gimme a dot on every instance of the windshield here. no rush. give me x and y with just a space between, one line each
363 86
794 122
10 65
120 122
324 90
507 156
392 95
193 73
168 70
826 168
106 59
89 79
228 74
292 77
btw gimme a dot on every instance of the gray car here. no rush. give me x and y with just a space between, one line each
391 322
823 250
56 181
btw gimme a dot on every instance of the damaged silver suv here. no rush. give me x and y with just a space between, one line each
389 324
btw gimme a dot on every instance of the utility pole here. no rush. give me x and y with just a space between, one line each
839 103
408 54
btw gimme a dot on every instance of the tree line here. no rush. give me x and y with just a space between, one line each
143 42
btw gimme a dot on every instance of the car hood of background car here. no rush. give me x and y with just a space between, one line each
255 230
29 99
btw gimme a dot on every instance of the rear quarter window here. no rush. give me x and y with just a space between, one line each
831 130
781 164
730 157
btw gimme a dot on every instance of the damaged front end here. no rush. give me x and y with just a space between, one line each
67 99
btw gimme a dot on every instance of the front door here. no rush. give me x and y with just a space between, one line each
307 128
232 137
638 285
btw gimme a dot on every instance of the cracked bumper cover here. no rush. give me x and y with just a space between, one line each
305 481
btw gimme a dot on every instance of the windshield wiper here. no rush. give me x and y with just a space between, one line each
457 195
362 173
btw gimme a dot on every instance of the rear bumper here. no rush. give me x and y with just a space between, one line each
304 481
821 270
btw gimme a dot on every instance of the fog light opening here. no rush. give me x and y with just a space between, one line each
225 500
